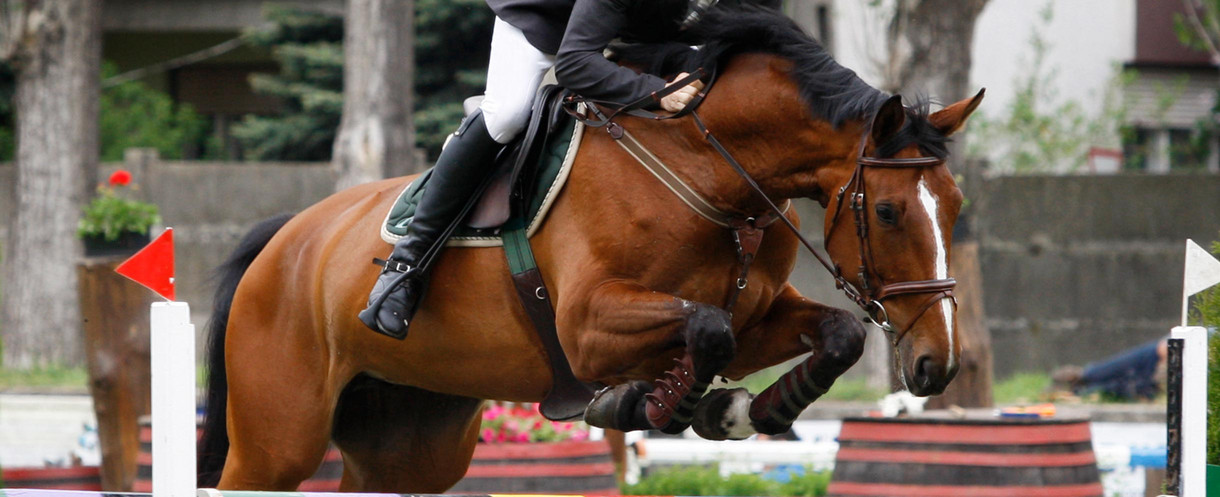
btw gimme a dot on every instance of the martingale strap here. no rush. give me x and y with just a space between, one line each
568 396
685 192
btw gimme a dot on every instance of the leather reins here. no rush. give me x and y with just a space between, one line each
748 231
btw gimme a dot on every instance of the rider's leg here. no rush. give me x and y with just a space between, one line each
513 77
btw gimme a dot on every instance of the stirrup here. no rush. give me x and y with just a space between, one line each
369 315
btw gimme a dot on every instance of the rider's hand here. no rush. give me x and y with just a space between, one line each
676 101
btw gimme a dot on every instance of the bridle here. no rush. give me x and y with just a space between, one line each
864 296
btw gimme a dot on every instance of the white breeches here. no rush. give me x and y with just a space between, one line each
513 76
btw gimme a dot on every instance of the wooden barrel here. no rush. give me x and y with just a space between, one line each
326 479
922 457
75 478
583 467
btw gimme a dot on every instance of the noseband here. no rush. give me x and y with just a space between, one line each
864 296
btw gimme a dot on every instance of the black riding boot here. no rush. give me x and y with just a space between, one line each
463 164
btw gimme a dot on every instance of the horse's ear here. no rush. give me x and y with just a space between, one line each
888 120
950 119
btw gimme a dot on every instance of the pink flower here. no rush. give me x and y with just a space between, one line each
522 437
488 435
120 178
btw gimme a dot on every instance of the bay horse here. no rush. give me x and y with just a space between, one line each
637 279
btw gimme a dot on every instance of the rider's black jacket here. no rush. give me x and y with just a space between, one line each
578 31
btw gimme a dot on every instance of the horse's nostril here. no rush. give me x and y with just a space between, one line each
926 370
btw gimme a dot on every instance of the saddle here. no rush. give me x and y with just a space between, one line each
526 170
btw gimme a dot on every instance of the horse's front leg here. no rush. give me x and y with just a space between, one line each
836 339
623 325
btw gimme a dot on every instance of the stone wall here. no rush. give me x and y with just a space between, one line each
1075 267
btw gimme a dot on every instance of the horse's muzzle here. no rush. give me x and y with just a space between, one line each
929 376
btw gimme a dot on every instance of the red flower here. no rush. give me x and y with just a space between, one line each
120 178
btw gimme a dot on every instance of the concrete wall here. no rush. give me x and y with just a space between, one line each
1075 268
210 205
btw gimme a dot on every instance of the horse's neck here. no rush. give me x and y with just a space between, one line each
787 152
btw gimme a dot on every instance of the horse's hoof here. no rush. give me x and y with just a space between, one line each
616 407
723 414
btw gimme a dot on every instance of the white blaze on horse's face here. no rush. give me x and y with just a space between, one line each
941 262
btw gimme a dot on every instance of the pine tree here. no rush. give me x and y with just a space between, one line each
309 48
452 45
453 39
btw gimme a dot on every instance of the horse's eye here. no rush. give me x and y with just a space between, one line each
886 214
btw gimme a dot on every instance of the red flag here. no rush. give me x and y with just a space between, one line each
153 265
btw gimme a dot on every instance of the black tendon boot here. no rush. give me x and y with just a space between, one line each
463 164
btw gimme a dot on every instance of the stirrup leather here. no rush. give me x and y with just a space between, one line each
392 265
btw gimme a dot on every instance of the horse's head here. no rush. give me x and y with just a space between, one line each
889 218
804 126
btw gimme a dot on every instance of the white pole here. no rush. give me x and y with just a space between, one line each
1194 410
173 400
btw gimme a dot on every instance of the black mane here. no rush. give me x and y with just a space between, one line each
832 92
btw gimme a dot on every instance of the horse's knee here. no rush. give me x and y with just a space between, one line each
842 339
710 340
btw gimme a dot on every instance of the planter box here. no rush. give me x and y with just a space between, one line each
128 243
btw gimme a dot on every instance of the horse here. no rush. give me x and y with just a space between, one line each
638 280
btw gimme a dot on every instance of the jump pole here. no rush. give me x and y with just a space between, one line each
172 351
1187 416
173 400
1187 403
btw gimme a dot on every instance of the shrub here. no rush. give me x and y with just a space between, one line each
706 480
133 115
1207 312
110 214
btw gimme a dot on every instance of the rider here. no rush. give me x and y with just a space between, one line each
529 37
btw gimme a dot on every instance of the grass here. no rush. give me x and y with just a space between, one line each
51 378
856 389
1022 388
59 378
707 480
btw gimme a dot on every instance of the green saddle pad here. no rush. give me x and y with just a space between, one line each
554 164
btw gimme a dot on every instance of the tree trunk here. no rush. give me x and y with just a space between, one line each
936 40
972 386
930 45
57 64
376 136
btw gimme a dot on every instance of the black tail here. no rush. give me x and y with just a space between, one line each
214 445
